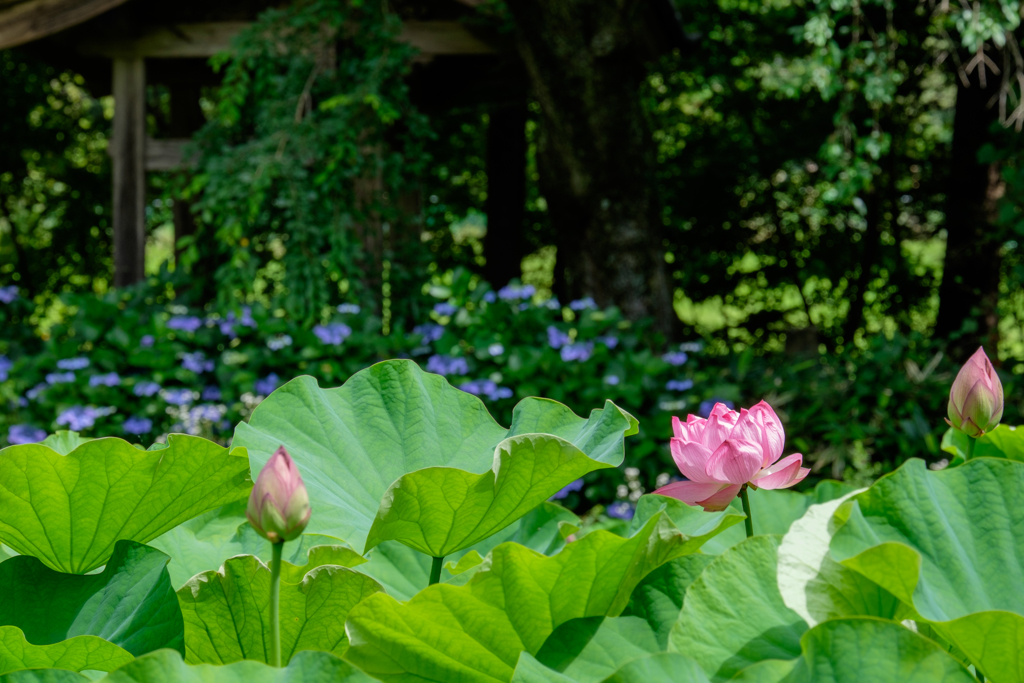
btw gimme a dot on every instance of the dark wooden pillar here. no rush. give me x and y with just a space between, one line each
186 119
128 152
504 245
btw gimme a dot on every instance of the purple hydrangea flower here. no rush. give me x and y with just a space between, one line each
679 384
279 342
77 418
211 393
184 323
516 293
567 489
147 341
110 379
73 363
145 388
611 379
197 362
266 386
334 334
621 510
577 352
177 397
705 408
430 332
5 367
445 308
553 303
7 295
60 378
583 304
524 306
247 320
675 358
22 434
447 365
33 393
609 340
490 297
495 349
485 387
556 338
349 308
137 425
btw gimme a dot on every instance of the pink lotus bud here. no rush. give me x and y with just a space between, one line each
976 398
279 504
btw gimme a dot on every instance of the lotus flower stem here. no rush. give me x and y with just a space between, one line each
746 510
435 570
275 604
970 449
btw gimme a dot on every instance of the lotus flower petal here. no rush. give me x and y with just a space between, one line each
720 500
691 458
773 439
976 397
782 474
716 430
735 461
692 492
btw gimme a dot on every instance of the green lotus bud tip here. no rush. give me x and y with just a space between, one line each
279 503
976 398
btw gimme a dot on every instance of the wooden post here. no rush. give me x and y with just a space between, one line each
128 146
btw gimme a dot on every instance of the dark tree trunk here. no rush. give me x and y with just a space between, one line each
504 246
970 276
585 62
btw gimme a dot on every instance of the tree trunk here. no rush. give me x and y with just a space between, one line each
585 63
970 276
506 194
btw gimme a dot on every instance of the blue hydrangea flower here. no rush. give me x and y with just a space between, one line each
553 303
266 386
485 387
137 425
110 379
145 388
679 384
609 340
524 306
583 304
73 363
7 295
177 397
430 332
444 308
247 320
147 341
675 358
197 362
60 378
495 349
516 293
621 510
77 418
580 351
279 342
33 393
349 308
447 365
184 323
705 408
556 338
611 379
334 334
211 393
567 489
490 297
5 367
22 434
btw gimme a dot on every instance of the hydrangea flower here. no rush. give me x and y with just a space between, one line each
705 408
612 380
60 377
577 352
177 397
609 340
430 332
516 293
583 304
7 295
490 297
675 358
279 342
267 385
553 304
184 323
495 349
197 362
73 363
228 322
145 388
349 308
137 425
33 393
78 418
211 393
621 510
334 334
147 341
193 419
22 434
447 365
556 338
567 489
247 320
5 366
445 308
110 379
679 384
485 387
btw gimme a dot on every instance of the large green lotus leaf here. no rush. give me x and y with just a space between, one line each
591 649
351 443
80 653
861 649
69 510
131 603
1002 442
476 632
64 441
948 543
658 599
204 542
659 667
227 612
166 666
817 587
692 521
441 510
529 670
733 615
44 676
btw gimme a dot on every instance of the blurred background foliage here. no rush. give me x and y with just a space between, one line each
833 188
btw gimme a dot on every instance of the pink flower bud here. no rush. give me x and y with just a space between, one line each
976 397
279 504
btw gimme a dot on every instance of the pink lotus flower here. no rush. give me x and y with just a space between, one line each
976 397
729 449
278 506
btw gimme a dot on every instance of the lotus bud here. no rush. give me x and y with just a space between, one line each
279 503
976 398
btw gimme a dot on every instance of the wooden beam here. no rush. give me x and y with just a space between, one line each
127 147
470 3
37 19
442 38
166 154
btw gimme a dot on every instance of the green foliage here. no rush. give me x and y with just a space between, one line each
80 653
306 667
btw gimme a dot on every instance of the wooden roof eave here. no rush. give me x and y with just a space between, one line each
35 19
